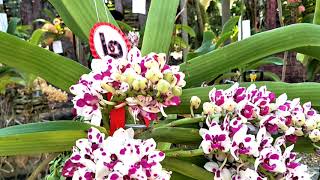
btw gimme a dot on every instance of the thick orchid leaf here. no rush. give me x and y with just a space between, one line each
58 70
175 135
305 91
304 38
187 169
55 136
265 61
80 16
159 26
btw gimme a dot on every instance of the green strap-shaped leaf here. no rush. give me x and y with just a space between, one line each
305 91
173 135
186 168
60 71
80 16
304 38
36 138
159 26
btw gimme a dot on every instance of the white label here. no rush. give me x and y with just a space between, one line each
139 6
244 29
3 22
57 47
109 42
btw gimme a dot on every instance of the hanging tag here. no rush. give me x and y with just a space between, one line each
57 47
107 40
245 31
139 6
3 22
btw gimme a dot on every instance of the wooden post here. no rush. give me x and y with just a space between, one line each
225 11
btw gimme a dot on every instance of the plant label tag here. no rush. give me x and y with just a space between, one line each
244 29
3 22
107 40
57 47
139 6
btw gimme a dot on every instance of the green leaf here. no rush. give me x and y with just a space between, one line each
124 26
60 71
186 29
159 26
269 60
36 36
80 16
12 26
304 145
224 38
305 91
54 136
271 76
230 24
175 135
186 169
304 38
180 42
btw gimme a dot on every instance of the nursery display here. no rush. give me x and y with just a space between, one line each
138 116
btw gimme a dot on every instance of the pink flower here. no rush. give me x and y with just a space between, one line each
301 9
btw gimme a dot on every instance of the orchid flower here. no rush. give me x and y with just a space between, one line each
118 157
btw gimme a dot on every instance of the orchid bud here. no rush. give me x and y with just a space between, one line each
108 88
154 74
163 86
315 135
299 119
162 59
195 102
177 91
229 105
151 64
169 76
298 132
129 76
137 68
136 85
143 83
208 108
311 124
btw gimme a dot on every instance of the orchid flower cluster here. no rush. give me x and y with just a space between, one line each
146 85
239 140
115 158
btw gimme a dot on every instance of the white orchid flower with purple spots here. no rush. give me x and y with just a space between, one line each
115 158
214 139
244 144
86 103
248 174
219 174
271 160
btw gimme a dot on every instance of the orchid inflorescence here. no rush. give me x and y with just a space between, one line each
118 157
241 123
146 85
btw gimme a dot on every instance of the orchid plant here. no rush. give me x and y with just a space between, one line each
239 133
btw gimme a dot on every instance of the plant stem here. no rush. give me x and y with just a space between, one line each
182 153
42 166
181 122
284 66
316 18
